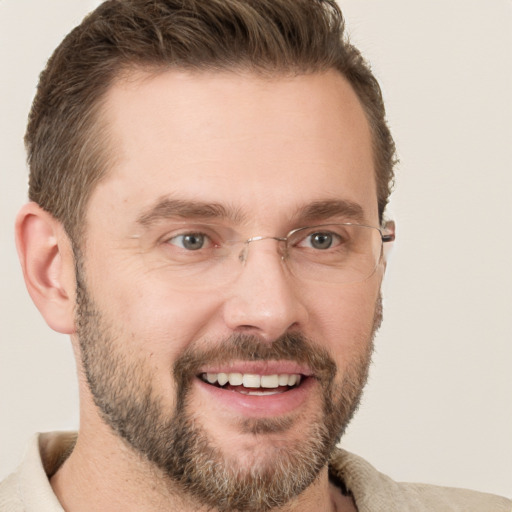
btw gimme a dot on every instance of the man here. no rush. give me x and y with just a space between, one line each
208 186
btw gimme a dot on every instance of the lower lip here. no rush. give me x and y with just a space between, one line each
256 406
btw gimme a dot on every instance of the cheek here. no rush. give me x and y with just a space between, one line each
155 320
344 319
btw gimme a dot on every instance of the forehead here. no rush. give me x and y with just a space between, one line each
260 145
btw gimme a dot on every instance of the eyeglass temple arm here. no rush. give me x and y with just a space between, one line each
390 233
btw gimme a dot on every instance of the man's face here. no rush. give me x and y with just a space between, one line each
202 159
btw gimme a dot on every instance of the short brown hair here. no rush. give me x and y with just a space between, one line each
66 154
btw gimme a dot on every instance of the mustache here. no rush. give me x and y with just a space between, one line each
290 347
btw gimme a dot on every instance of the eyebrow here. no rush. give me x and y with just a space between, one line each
168 208
332 208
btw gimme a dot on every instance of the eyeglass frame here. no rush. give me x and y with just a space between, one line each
385 237
386 231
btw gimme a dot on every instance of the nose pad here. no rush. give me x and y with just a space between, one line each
244 253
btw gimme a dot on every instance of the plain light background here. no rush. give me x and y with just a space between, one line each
438 407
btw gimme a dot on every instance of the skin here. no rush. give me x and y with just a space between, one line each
264 147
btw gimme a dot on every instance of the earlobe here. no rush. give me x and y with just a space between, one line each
47 261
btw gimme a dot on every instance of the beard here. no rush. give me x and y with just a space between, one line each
177 443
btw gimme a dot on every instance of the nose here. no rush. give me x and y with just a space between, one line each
265 300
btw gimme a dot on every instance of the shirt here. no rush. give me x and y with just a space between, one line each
29 490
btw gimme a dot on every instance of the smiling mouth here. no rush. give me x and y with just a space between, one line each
254 384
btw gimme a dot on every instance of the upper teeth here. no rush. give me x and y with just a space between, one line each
251 380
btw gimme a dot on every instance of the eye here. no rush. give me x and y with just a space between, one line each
321 240
191 241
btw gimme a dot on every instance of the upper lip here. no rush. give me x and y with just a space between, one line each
258 368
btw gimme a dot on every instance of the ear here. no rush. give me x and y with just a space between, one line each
47 260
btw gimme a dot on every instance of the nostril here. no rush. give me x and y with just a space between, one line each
255 331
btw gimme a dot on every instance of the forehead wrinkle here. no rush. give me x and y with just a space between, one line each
167 208
326 209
